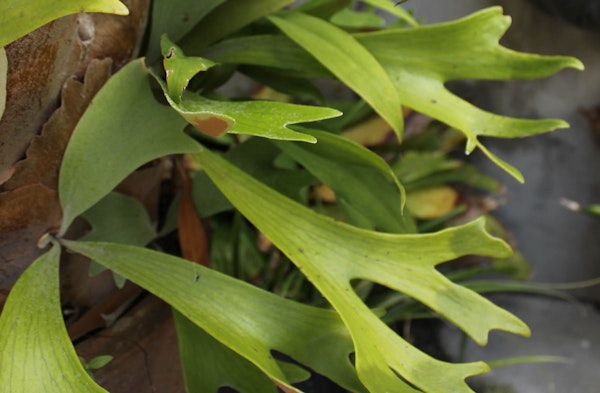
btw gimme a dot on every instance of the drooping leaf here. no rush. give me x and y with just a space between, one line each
179 68
331 254
3 76
226 19
248 320
421 60
175 18
347 59
36 354
361 179
21 17
123 128
261 118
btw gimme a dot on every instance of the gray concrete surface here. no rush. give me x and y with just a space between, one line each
561 246
560 329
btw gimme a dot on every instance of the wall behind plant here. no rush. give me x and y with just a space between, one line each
561 245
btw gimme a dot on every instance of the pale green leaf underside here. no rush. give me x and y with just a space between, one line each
21 17
266 119
179 68
36 353
331 254
250 321
347 59
123 128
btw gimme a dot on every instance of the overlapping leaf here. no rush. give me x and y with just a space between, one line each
347 59
123 128
331 254
363 182
215 118
394 9
36 354
250 321
421 60
21 17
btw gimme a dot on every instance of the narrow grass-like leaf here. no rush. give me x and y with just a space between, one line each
394 9
250 321
36 354
175 18
421 60
21 17
332 254
226 19
360 179
347 59
267 50
123 128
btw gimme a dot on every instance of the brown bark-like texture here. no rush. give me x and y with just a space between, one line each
53 74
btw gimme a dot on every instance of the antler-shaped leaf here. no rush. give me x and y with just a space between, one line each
250 321
331 254
260 118
421 60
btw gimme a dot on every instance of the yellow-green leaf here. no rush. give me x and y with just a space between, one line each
36 354
348 60
19 17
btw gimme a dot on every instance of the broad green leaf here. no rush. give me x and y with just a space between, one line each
36 353
348 60
121 219
394 9
248 320
226 19
332 254
179 68
421 60
361 179
209 365
123 128
21 17
3 76
260 118
175 18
